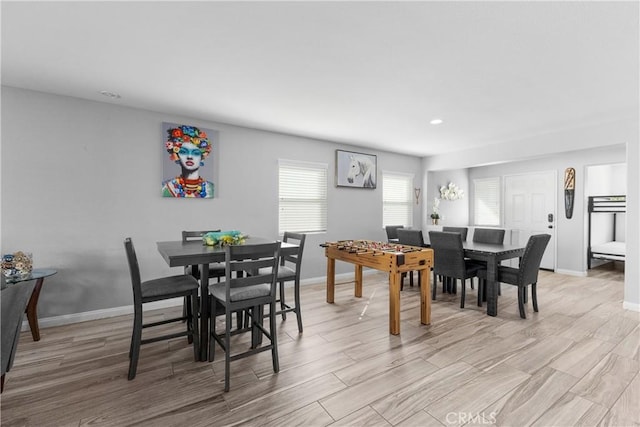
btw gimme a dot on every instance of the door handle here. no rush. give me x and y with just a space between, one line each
550 226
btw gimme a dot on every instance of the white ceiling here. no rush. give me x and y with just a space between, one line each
372 74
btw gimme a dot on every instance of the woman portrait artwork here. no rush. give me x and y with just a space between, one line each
188 147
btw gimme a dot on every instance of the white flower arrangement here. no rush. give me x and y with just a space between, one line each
435 214
451 192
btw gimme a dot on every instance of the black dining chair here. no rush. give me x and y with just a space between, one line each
449 261
447 281
249 293
494 236
216 269
289 270
164 288
410 237
489 235
462 230
526 274
392 233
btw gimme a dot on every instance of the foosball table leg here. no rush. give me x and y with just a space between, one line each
331 279
358 285
394 303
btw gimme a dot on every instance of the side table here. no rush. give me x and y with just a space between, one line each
37 274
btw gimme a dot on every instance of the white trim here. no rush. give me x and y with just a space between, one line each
631 306
571 272
67 319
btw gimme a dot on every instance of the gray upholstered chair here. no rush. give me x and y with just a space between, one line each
392 233
163 288
447 281
527 272
248 292
462 230
449 261
288 271
494 236
14 298
488 235
410 237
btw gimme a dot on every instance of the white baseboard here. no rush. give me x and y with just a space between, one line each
631 306
571 272
67 319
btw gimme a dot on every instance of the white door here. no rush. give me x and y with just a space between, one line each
530 208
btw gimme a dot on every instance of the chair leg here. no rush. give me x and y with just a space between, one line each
534 296
274 338
433 286
411 279
296 293
186 306
480 292
282 304
212 328
227 350
521 292
463 287
136 338
402 276
195 329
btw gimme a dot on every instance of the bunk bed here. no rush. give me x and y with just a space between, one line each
611 249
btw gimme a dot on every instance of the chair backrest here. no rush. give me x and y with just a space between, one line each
462 230
448 254
293 261
410 237
134 270
488 235
194 235
392 231
251 258
530 262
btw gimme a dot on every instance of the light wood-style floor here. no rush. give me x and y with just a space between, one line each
576 362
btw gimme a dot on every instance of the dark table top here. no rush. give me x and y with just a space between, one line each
178 253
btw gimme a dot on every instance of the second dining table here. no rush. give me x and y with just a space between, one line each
179 254
492 254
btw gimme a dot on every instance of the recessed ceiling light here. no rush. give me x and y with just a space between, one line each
436 121
110 94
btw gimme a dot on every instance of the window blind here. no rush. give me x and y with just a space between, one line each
486 201
302 197
397 199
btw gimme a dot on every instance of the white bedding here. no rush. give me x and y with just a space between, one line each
610 248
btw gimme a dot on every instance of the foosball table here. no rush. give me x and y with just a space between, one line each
392 258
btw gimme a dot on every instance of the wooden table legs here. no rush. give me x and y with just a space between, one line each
331 279
395 280
32 310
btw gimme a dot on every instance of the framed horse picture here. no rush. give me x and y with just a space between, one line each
357 170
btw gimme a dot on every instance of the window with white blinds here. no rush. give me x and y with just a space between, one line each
302 196
486 201
397 199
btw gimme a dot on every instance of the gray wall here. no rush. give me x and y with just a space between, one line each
452 212
80 176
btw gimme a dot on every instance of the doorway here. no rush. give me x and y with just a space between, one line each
530 208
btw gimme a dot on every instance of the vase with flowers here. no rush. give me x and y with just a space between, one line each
435 213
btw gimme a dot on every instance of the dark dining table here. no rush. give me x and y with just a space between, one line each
492 254
179 254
